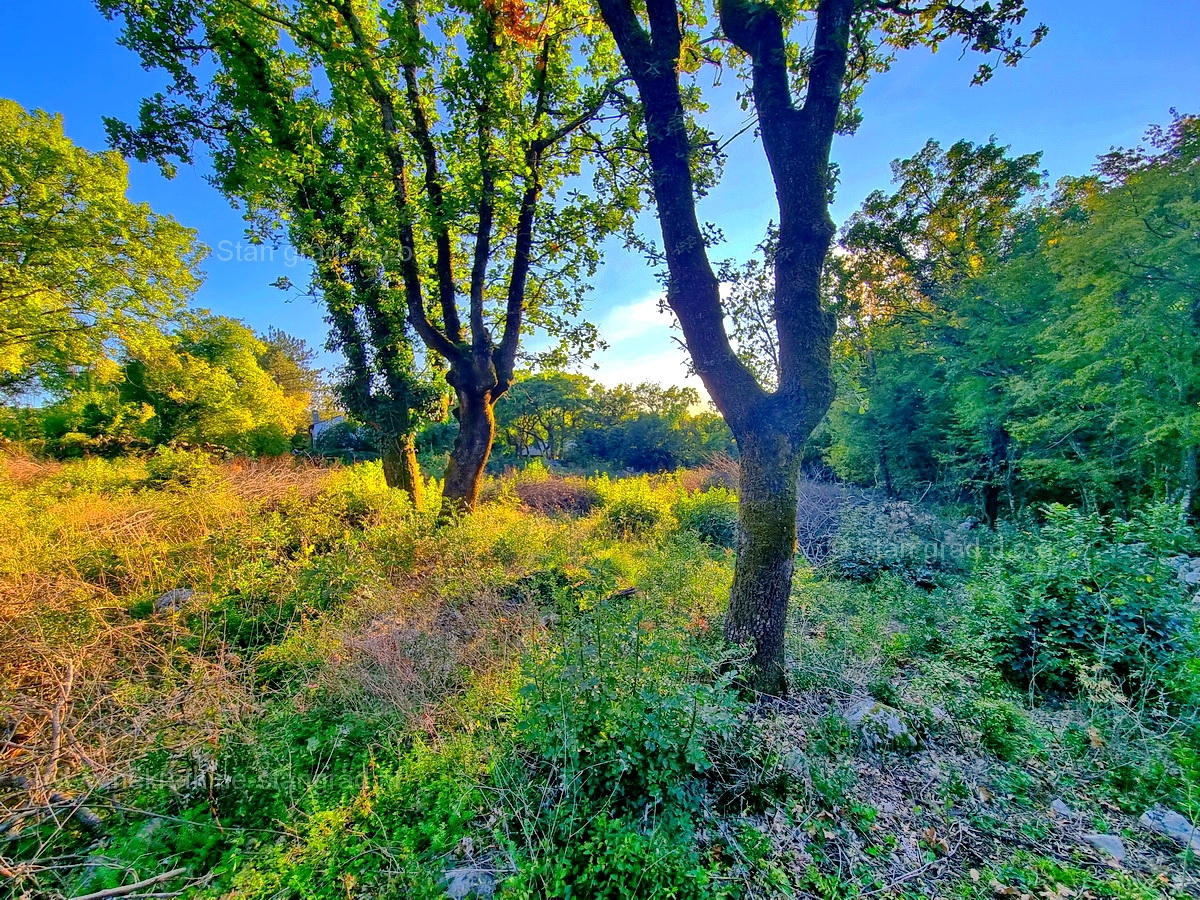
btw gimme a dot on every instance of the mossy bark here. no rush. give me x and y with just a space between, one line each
468 458
400 467
766 555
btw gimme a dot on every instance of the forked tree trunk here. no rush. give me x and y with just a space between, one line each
468 458
766 554
400 467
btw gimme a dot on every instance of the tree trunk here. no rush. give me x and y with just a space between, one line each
400 467
766 554
472 446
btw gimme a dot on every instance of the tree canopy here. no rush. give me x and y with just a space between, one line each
420 155
80 264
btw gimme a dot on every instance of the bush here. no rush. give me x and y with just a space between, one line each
178 468
619 715
632 506
1090 597
604 793
712 514
548 494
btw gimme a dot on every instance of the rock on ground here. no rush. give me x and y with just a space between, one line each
1108 844
879 725
1173 825
174 600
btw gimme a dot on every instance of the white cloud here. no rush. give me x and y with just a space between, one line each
634 320
642 346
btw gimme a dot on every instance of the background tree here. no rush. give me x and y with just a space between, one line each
200 383
803 94
418 153
1059 363
80 265
897 286
290 362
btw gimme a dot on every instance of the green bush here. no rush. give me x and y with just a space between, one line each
632 506
712 514
1090 597
178 468
621 713
614 740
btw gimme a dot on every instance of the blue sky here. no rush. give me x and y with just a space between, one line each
1107 70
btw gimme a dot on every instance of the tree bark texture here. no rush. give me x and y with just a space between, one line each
472 446
400 467
766 553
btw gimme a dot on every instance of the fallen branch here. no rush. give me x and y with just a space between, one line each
130 888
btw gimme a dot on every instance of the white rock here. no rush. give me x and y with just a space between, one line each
880 725
174 600
1060 809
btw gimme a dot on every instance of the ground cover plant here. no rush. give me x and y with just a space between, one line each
272 679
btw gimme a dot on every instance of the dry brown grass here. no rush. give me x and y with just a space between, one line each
258 480
554 494
23 469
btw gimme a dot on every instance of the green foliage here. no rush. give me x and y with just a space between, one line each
186 468
615 733
579 422
1090 597
201 383
1028 874
632 506
80 265
712 514
1016 349
619 714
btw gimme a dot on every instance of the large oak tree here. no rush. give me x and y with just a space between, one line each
805 63
420 154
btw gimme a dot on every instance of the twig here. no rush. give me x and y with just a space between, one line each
130 888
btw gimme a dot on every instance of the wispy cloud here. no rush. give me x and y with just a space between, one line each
643 346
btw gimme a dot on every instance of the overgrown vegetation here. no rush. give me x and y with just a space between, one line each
284 680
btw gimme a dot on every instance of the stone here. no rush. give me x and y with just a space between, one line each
174 600
1187 569
879 725
470 881
1060 808
1173 825
1108 844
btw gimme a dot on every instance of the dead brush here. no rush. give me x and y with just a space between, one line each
25 469
421 654
262 480
85 693
554 494
819 509
723 471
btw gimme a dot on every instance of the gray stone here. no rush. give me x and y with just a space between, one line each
1108 844
1173 825
1187 569
1060 809
879 725
470 881
174 600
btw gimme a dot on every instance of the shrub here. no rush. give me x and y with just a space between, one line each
178 468
632 506
712 514
604 792
1089 597
551 494
620 714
